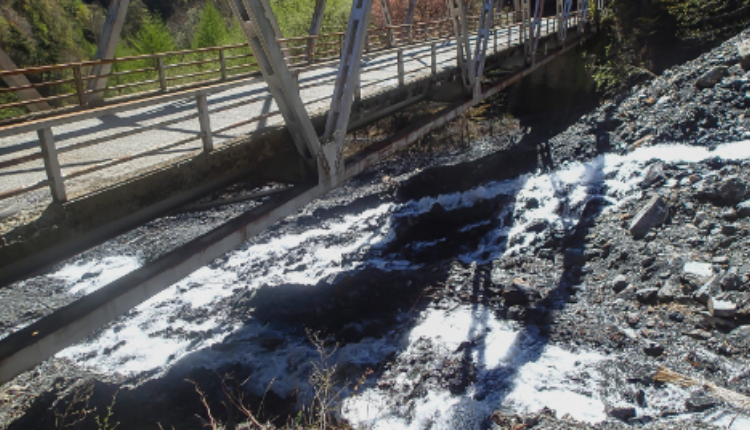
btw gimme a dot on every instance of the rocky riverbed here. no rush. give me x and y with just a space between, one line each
516 282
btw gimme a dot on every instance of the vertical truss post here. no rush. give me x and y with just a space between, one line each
315 25
480 48
388 18
457 13
526 27
410 18
564 7
259 25
52 164
536 27
583 9
330 172
21 81
433 58
107 47
400 66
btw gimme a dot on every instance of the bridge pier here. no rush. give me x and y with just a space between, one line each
108 40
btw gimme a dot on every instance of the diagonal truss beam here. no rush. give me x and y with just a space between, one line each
347 82
410 18
21 81
259 24
536 26
315 25
110 36
457 11
563 11
388 18
483 37
583 8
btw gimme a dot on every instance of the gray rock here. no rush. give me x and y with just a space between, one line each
721 308
706 320
700 217
647 296
573 257
731 281
743 50
516 294
699 334
708 290
740 333
654 174
710 78
652 215
743 209
671 289
729 214
721 260
732 190
619 283
622 413
700 403
653 349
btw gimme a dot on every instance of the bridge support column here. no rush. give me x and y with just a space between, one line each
536 28
52 165
108 40
315 25
563 10
332 170
259 24
21 81
457 13
480 49
410 19
388 18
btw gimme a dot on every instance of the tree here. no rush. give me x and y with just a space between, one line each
211 29
153 37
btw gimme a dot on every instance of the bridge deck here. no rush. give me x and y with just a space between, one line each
128 132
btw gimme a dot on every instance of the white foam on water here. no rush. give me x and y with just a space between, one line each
101 273
552 379
154 336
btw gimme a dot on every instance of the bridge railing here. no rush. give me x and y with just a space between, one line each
69 85
164 72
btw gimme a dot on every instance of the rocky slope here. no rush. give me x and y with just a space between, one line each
516 283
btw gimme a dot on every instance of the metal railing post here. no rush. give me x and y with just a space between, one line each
162 74
52 164
433 56
401 79
205 122
223 62
80 92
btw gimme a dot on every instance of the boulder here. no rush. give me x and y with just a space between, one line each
652 215
732 190
619 283
743 209
647 296
744 53
721 308
708 290
711 78
671 289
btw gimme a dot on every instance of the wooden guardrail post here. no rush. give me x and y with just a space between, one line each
223 63
52 164
162 74
205 122
401 78
433 56
80 91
